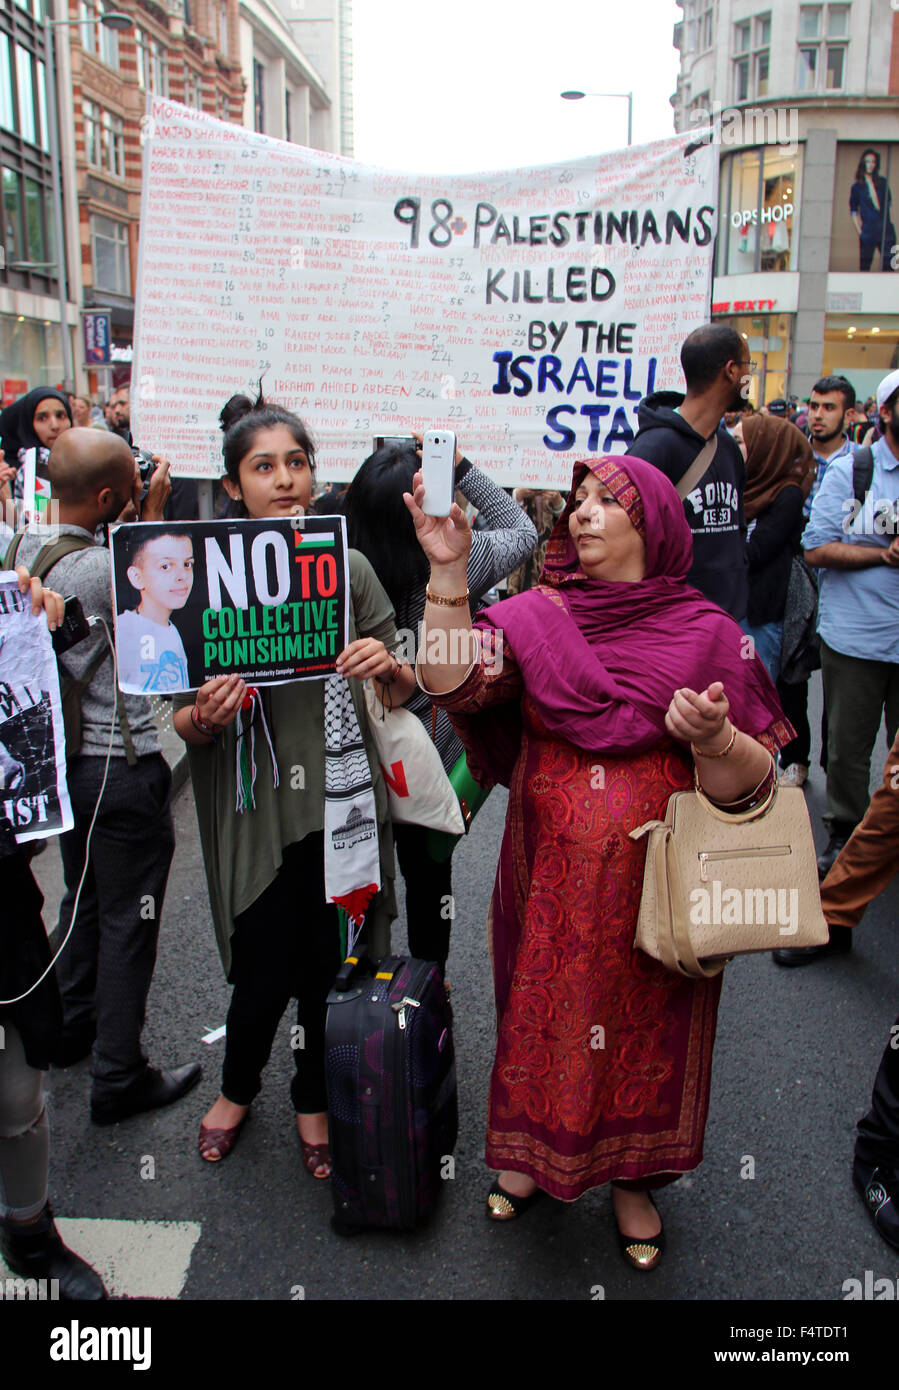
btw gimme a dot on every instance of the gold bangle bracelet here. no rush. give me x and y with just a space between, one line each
446 602
724 751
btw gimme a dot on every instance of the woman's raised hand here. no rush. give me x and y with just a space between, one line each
446 540
219 699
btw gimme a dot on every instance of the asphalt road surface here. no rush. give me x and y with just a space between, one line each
770 1214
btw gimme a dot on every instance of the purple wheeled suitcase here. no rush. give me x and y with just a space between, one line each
391 1077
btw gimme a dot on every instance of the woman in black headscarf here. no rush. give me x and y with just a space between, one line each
35 421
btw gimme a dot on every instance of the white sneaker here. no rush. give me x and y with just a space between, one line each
796 775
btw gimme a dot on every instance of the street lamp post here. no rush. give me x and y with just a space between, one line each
112 21
619 96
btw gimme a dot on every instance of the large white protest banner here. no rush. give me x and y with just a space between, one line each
528 309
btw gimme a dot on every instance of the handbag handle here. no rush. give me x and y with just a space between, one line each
675 948
739 817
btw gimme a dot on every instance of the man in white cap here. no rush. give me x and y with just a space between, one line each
855 544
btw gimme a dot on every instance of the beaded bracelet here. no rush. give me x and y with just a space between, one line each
446 602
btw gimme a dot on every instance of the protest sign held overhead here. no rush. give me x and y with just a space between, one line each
263 600
528 309
34 798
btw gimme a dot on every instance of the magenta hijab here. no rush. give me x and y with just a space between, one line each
601 659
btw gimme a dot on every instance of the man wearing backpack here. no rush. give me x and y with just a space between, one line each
853 538
106 969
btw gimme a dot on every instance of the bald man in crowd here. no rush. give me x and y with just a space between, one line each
106 969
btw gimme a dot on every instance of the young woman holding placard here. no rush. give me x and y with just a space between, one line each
266 862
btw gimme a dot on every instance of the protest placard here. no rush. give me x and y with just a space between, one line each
263 600
527 309
34 798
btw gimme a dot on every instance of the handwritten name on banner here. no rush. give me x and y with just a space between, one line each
528 309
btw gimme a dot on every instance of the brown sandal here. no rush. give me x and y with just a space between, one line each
221 1140
316 1156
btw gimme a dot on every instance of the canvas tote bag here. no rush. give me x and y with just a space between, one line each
418 789
717 885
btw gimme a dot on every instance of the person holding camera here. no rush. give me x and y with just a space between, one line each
30 1244
107 967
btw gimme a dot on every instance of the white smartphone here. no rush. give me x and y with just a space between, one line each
438 471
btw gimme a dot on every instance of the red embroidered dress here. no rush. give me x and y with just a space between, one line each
603 1060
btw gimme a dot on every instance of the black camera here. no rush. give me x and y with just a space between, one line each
146 467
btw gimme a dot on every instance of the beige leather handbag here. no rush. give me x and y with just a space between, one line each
717 885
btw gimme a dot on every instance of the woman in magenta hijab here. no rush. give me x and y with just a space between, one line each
591 698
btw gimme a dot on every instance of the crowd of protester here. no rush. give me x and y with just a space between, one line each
770 567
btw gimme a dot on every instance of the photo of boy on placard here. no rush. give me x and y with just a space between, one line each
149 648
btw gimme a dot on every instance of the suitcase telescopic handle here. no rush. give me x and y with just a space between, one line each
362 963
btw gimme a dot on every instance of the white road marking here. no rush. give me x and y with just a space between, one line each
135 1259
214 1036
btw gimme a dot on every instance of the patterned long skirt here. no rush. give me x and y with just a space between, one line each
603 1060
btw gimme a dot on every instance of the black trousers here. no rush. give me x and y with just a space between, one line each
429 894
878 1131
794 699
285 946
106 969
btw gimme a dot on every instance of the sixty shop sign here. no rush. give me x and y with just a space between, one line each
264 600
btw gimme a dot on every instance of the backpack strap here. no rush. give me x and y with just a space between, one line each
9 559
50 554
700 466
862 473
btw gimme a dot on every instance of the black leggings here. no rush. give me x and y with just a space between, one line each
429 894
285 946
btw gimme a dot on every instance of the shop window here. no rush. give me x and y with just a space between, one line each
768 339
759 203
